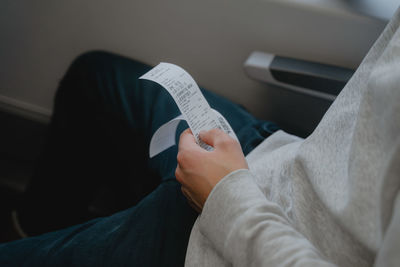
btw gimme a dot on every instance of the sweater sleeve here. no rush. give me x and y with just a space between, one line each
388 254
249 230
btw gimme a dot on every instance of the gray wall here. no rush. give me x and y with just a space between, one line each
210 39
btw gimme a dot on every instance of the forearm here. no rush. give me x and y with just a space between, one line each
249 230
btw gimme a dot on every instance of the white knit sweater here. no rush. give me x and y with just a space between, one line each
330 199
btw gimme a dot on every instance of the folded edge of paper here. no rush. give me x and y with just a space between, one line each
164 137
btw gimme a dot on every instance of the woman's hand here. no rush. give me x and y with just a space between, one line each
199 170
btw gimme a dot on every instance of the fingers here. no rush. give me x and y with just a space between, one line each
215 137
187 150
187 140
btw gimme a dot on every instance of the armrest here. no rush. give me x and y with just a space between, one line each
316 79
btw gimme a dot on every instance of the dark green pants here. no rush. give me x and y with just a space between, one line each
96 162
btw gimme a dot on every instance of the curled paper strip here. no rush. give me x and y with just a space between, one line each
190 101
164 137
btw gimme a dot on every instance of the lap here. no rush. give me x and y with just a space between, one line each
153 233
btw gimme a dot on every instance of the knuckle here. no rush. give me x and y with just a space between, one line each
215 131
185 158
186 131
227 141
180 157
182 135
178 175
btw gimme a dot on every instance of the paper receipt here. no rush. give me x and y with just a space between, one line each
190 101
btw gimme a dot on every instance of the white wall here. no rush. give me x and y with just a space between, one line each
209 38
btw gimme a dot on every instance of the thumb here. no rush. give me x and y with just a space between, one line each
212 136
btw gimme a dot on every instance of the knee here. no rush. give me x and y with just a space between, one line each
82 74
87 67
92 60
